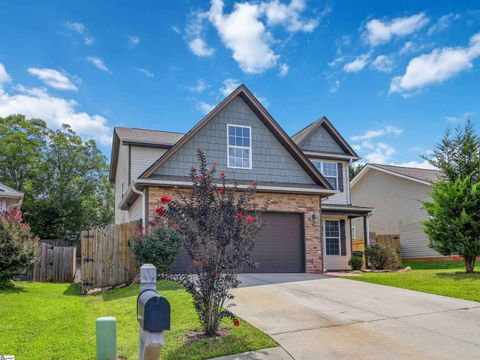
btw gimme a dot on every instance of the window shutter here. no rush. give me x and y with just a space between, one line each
343 242
340 176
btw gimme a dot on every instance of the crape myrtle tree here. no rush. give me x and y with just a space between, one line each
218 225
454 224
18 247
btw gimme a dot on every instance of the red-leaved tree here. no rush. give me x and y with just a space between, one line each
218 224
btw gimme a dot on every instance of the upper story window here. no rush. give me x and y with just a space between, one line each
329 170
239 146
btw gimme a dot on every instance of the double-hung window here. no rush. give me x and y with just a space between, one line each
329 171
332 237
239 146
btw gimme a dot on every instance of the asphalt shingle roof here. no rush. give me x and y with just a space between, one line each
429 175
148 136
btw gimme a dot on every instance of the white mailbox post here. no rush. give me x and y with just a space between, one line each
153 315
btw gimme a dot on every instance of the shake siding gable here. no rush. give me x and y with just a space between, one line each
322 141
271 162
398 210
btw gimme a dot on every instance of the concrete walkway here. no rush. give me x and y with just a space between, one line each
323 317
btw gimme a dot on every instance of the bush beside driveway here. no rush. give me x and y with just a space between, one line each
442 278
53 321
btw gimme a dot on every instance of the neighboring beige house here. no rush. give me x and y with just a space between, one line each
396 193
9 198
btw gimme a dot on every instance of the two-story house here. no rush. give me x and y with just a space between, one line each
305 178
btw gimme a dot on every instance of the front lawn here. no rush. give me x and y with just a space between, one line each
52 321
441 278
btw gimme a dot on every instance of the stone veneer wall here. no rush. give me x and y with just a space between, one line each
305 204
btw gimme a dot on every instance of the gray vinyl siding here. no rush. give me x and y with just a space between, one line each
322 141
121 176
398 210
142 157
343 197
271 161
136 210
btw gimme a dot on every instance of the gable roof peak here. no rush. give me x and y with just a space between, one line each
303 135
264 116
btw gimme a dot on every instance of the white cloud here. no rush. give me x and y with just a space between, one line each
194 34
376 151
75 26
98 63
458 118
228 86
357 64
176 29
38 103
436 67
53 78
381 31
244 31
4 77
335 86
204 107
443 23
289 15
245 35
383 63
133 40
199 87
145 72
416 164
380 153
283 70
371 134
89 40
79 28
200 48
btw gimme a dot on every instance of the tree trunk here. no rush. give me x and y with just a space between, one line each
469 264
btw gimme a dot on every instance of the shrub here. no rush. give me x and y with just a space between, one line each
18 247
159 247
382 257
355 262
218 226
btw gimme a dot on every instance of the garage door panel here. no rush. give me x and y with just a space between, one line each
279 246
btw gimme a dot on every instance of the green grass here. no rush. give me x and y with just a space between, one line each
52 321
441 278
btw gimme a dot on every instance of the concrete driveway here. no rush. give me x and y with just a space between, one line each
323 317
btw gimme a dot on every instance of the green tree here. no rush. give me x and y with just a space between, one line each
64 179
454 224
353 170
22 145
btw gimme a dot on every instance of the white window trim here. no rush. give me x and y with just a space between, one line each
354 232
250 148
321 162
331 237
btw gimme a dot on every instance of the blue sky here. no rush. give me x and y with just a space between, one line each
391 76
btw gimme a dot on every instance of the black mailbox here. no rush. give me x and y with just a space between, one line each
153 311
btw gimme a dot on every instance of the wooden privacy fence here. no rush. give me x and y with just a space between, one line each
55 264
390 240
107 255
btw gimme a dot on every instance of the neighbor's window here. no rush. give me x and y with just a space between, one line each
239 152
329 172
332 237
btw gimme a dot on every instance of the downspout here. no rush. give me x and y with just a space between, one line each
142 194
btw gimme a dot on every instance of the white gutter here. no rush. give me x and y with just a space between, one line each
142 194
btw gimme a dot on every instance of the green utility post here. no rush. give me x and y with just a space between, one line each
106 338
